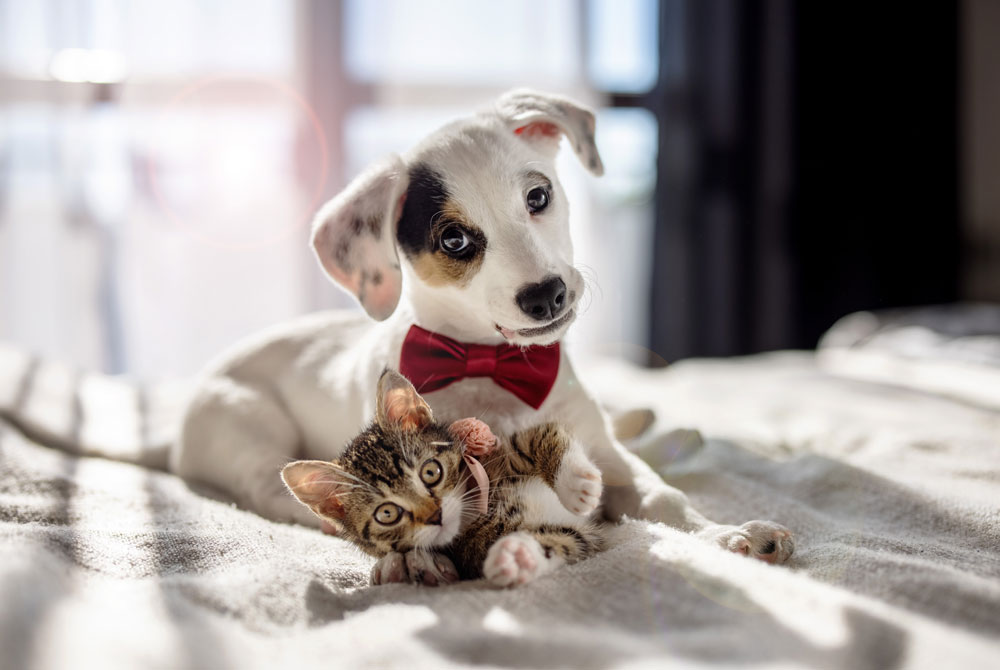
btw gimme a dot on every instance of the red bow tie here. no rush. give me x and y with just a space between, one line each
431 362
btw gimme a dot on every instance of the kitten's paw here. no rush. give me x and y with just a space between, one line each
578 485
430 569
514 560
390 569
764 540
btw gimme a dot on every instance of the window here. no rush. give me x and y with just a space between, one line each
160 162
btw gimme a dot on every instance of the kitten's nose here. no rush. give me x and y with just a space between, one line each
434 519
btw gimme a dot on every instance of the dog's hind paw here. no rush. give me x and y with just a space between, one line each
764 540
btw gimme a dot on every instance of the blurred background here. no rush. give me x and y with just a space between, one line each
771 165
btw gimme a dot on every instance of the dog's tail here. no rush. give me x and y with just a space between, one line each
89 414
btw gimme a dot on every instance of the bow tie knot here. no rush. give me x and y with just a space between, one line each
432 361
480 360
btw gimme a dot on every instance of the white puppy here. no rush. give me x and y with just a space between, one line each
467 237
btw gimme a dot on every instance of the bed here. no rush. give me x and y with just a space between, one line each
881 450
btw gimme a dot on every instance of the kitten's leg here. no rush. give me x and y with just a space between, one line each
578 481
390 569
547 451
517 559
569 544
237 438
414 567
430 568
520 557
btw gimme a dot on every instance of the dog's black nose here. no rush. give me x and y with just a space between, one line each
542 301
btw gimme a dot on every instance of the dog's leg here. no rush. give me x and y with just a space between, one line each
633 488
236 438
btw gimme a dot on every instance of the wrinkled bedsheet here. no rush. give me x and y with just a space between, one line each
893 492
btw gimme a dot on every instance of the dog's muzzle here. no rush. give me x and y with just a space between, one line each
543 301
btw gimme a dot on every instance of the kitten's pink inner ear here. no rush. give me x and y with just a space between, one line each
538 129
324 495
405 409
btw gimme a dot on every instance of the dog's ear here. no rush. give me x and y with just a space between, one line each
542 119
354 237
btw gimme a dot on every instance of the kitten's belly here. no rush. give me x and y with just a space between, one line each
540 506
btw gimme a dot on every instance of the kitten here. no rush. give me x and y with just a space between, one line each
402 492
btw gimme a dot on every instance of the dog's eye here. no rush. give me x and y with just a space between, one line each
430 472
537 199
388 514
454 241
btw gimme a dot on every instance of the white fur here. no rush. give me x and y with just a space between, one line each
302 389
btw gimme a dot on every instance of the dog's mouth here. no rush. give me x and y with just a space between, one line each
538 331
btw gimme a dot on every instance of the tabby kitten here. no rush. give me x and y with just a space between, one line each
402 492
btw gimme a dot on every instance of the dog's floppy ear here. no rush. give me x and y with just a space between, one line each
354 236
542 118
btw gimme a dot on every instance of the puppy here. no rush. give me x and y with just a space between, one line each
459 251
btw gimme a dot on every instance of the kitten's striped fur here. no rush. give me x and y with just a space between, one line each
400 488
526 458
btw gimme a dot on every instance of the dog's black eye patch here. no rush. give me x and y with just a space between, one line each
425 197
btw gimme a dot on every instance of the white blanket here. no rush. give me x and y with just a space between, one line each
894 495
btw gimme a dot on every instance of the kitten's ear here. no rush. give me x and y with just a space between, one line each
318 485
398 405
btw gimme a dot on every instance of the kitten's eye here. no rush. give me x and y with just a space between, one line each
430 472
454 241
537 200
388 514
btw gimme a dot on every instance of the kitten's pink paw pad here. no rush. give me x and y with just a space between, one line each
579 487
764 540
514 560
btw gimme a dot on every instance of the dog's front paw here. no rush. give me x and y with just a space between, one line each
578 486
514 560
764 540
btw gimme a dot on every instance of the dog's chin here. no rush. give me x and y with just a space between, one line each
538 335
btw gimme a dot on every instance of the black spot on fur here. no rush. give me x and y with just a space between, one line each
425 197
359 226
768 548
342 253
